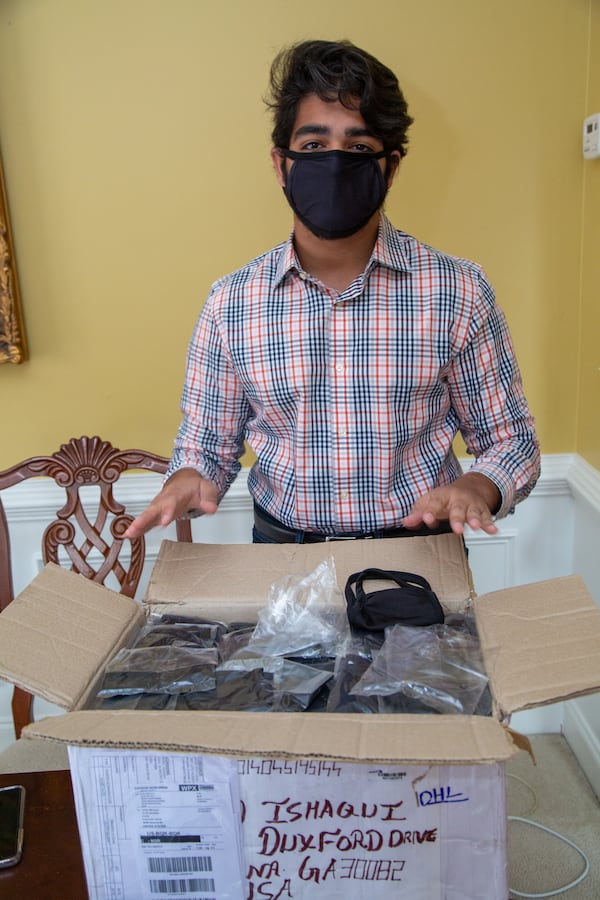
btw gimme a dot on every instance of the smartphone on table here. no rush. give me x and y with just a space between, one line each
12 812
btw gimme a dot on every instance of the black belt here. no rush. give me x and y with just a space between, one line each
281 534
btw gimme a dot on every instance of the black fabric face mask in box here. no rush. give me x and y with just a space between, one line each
410 602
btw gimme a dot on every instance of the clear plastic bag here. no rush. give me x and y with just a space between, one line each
349 669
136 701
159 670
438 666
248 690
305 616
294 684
180 634
206 627
235 642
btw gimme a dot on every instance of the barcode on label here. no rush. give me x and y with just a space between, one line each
180 864
181 885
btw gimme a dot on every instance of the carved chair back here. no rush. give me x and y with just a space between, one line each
86 534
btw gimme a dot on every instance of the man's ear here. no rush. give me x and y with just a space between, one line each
393 164
278 160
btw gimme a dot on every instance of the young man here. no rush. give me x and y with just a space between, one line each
351 355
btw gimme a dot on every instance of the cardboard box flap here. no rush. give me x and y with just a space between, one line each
381 739
540 642
231 582
57 634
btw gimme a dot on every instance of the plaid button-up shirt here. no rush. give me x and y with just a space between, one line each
351 401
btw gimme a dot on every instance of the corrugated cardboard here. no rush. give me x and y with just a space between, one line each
61 633
233 581
539 642
342 737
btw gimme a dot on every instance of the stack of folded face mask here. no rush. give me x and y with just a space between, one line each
390 650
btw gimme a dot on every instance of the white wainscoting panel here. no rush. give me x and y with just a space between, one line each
582 717
582 731
532 544
584 484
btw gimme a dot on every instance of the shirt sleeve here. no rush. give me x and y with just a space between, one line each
487 394
215 410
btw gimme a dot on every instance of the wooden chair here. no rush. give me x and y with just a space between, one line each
78 538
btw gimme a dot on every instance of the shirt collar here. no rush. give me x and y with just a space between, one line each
391 250
287 262
391 247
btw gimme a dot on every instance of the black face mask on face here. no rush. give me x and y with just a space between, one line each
335 192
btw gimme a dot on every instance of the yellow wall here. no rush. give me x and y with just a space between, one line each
135 147
588 431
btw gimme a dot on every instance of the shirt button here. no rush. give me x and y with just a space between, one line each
341 432
339 367
344 495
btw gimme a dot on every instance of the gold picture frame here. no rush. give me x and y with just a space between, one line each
13 347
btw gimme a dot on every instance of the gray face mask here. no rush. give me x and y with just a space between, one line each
335 192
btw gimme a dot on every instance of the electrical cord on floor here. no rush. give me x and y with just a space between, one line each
534 805
566 887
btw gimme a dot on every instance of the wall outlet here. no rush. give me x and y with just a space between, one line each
591 137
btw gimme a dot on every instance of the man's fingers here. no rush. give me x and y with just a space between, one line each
184 491
147 520
162 511
477 517
482 522
460 504
431 519
429 510
139 526
412 520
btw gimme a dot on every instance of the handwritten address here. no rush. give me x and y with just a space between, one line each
318 833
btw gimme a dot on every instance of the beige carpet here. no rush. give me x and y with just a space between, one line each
561 798
33 756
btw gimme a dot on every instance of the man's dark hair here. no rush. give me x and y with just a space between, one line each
338 70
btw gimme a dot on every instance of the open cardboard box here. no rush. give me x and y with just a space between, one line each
540 645
539 641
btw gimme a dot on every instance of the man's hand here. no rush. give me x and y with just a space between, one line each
186 489
470 500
